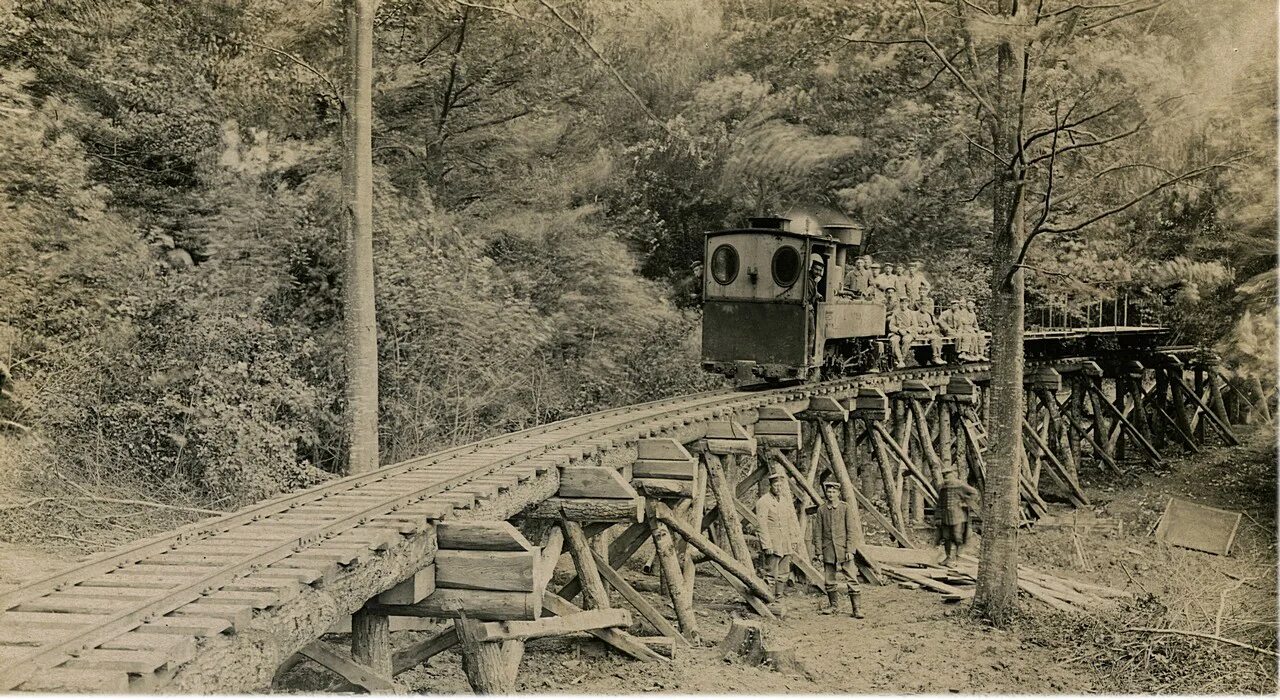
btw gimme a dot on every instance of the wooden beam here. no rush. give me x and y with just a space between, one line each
371 640
1156 458
411 590
553 626
615 638
592 586
931 496
672 573
497 536
660 623
737 568
485 571
593 482
623 547
1077 494
590 510
419 652
481 605
350 670
490 667
1209 414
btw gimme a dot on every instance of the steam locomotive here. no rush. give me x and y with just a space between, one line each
757 320
765 318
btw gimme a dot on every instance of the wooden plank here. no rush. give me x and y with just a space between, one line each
419 652
497 536
478 605
413 589
346 667
593 482
661 449
63 680
637 601
615 638
485 571
129 660
554 626
664 469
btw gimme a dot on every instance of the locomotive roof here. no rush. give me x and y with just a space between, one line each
773 232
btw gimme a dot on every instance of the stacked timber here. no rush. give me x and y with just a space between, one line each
663 469
726 437
487 570
777 428
591 494
916 569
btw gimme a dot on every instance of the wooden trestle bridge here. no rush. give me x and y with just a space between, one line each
223 604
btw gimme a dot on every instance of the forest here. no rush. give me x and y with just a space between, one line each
171 259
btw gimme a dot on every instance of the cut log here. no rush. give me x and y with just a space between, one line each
663 469
498 536
485 571
669 489
615 638
592 586
588 510
661 448
749 642
637 601
669 568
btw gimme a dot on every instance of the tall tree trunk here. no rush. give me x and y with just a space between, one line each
357 304
997 588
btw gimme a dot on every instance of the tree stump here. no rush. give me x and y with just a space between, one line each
749 641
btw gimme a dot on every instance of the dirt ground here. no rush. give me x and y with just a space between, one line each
912 642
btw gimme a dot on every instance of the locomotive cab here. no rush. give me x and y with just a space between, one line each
764 316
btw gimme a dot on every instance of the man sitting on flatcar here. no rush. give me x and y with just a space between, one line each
858 279
951 323
927 329
979 343
901 324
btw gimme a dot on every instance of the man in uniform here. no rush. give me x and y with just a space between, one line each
858 279
951 324
915 284
874 292
979 343
779 531
955 499
927 328
835 543
901 329
887 280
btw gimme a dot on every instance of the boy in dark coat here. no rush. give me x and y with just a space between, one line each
835 543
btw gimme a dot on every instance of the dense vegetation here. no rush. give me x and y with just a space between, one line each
170 262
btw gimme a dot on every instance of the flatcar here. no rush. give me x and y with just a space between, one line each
764 317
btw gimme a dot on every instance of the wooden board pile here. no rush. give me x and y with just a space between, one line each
956 583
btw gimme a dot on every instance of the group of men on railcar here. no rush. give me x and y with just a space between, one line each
910 308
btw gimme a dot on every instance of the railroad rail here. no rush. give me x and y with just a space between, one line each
131 618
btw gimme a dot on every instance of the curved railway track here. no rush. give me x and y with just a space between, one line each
142 607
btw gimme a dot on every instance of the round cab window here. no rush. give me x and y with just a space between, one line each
724 264
786 266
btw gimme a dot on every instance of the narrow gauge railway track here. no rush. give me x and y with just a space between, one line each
143 606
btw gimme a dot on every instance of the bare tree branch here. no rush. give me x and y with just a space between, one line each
607 64
1084 144
1041 229
333 89
1053 157
1122 15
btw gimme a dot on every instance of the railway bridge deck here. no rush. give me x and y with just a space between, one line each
221 605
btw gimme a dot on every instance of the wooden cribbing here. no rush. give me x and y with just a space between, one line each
739 570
